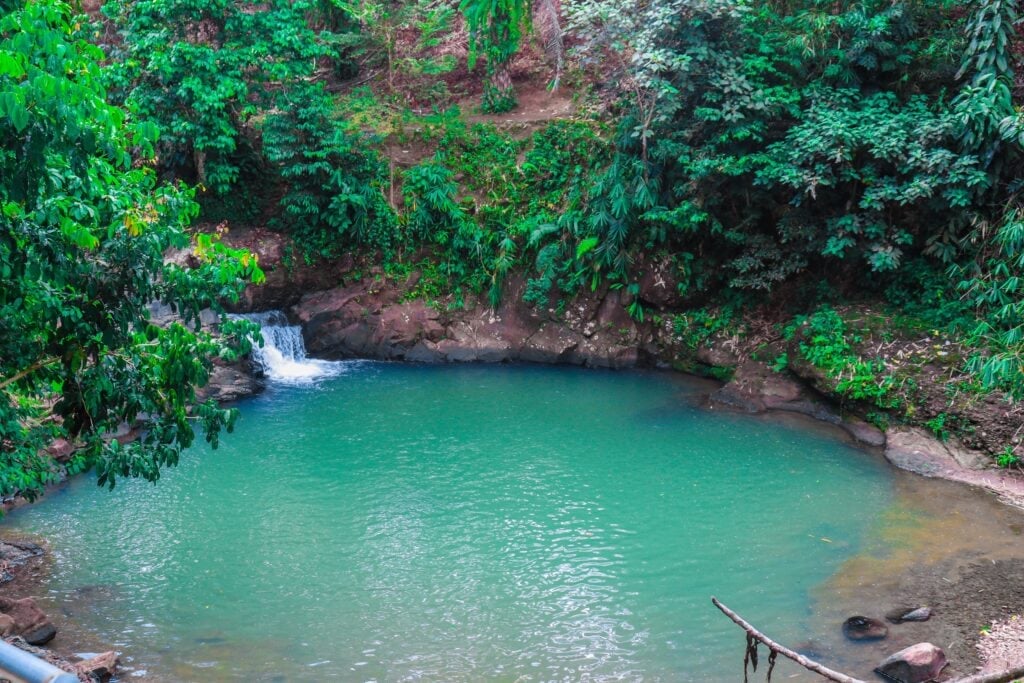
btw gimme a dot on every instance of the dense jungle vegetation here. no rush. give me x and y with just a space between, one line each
797 156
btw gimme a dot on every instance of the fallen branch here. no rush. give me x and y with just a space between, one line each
1007 676
783 650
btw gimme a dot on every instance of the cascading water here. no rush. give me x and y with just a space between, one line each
283 354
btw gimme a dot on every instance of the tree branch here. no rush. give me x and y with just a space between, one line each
1006 676
28 371
785 651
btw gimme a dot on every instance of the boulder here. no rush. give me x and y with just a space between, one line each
61 450
864 628
230 383
30 622
915 450
718 355
659 286
552 343
755 387
863 432
40 635
101 667
916 664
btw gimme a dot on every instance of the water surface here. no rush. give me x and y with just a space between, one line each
417 523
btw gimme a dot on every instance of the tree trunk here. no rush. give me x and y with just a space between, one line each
499 95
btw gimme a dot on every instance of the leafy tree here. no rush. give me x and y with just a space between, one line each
83 233
334 199
385 20
202 70
495 29
772 140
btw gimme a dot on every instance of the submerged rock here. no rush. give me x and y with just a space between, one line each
864 628
14 554
41 634
863 432
916 664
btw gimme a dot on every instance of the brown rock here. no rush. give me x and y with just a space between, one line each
40 635
61 450
916 664
100 667
30 622
230 383
659 286
6 625
551 344
718 356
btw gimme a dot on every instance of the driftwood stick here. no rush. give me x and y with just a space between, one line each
783 650
998 677
1007 676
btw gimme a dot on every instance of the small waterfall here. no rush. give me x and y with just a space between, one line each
283 354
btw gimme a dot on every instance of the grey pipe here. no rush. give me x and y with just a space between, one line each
18 665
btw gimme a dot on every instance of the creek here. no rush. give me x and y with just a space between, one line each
392 522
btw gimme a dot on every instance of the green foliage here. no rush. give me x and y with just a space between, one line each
1007 458
83 233
938 426
826 343
986 104
432 210
334 199
696 328
992 285
383 21
888 155
779 139
202 70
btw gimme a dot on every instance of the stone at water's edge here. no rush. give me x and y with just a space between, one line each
917 451
919 614
230 383
864 628
901 614
30 622
916 664
101 667
364 320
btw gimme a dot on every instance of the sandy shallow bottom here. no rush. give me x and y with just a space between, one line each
953 548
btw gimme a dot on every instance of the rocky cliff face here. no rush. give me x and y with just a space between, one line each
370 319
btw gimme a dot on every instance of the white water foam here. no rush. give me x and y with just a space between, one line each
283 354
